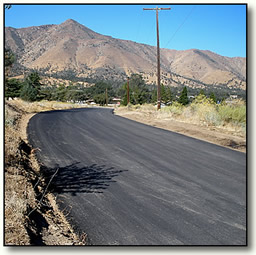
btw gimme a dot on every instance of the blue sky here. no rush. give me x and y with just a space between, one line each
219 28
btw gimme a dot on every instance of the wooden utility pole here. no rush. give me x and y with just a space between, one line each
106 96
158 55
128 93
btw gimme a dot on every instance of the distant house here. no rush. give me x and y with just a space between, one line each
90 101
233 96
116 100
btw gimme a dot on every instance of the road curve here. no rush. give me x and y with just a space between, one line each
126 183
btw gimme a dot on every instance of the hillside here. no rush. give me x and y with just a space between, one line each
72 47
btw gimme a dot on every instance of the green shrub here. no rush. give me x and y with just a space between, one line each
213 118
207 113
176 108
202 99
233 113
205 110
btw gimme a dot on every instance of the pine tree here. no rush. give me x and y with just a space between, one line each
28 93
184 96
166 94
31 88
169 95
212 96
9 59
12 88
201 92
154 96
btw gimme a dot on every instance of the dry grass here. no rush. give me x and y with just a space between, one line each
40 106
202 112
21 170
16 199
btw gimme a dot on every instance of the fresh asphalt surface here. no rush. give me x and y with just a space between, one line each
125 183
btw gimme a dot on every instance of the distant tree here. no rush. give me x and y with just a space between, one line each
213 97
31 87
100 88
123 93
184 97
139 92
80 95
201 92
28 93
154 96
163 94
166 94
60 93
169 94
100 99
48 93
75 93
9 57
12 88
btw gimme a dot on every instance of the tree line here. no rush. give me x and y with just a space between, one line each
31 89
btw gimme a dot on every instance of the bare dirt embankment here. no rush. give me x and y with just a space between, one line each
224 136
32 216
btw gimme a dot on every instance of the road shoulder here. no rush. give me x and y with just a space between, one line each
38 217
206 133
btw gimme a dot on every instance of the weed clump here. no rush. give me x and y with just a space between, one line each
233 113
176 109
205 110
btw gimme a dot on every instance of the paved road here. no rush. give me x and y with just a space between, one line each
126 183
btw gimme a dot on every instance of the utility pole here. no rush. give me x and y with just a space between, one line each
128 93
107 96
158 54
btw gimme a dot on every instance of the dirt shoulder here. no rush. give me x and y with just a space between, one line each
210 134
32 216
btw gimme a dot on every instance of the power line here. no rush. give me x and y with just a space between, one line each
128 92
183 22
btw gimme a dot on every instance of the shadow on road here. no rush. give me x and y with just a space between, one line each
81 179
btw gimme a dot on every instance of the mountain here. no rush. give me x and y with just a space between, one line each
73 48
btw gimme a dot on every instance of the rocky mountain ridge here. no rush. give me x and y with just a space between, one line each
72 47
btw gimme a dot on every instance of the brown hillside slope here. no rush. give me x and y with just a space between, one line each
71 45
